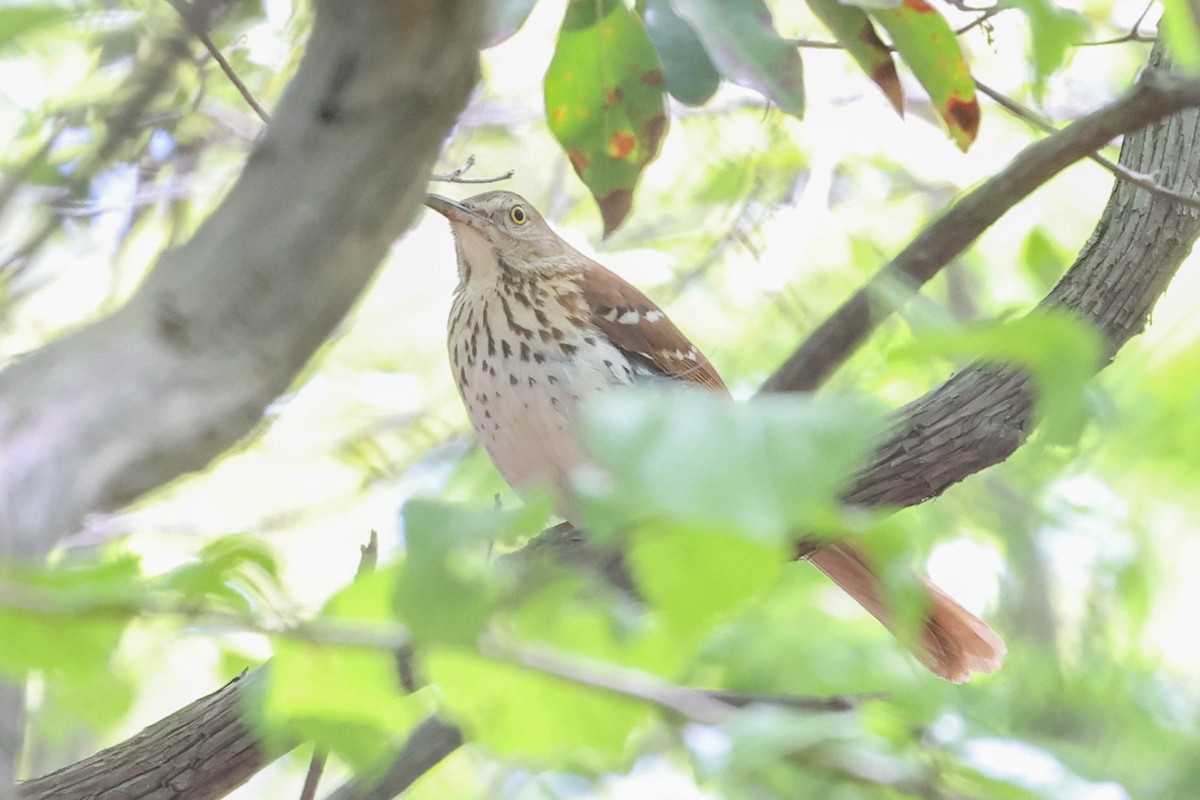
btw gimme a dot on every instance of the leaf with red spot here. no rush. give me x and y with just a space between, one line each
926 42
742 41
851 26
606 101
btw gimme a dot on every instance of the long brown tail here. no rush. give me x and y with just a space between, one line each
955 642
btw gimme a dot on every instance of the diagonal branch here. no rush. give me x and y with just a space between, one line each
976 419
1155 95
225 323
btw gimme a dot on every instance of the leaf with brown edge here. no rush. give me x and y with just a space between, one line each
853 30
606 101
927 44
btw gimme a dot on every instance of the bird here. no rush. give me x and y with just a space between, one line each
536 328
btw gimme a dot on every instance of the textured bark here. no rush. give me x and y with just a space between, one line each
1156 95
974 420
201 752
984 413
225 323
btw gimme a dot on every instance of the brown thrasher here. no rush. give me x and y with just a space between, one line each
536 327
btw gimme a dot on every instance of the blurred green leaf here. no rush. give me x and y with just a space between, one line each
18 19
448 583
1060 352
1054 31
228 571
723 571
67 622
742 42
69 619
348 699
766 468
1042 258
518 712
928 45
1181 29
853 30
691 76
605 102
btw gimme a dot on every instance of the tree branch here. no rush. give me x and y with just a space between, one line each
224 324
983 413
1155 95
976 419
201 752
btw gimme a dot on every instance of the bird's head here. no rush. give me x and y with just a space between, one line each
498 232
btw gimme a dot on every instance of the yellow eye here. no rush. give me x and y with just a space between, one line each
518 215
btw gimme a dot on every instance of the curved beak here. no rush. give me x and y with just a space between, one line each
451 209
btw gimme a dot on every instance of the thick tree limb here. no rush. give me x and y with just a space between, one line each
1155 95
201 752
983 413
224 323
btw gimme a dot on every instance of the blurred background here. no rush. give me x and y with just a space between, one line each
121 134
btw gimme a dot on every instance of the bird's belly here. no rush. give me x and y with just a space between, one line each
526 412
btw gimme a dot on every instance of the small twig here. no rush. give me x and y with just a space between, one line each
198 28
1027 114
456 176
1156 94
1133 35
981 19
315 769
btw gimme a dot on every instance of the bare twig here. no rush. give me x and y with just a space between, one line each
981 19
199 28
456 176
1133 35
1155 95
316 766
1041 123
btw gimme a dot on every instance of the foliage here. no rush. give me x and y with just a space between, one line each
762 223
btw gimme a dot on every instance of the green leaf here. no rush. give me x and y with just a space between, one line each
928 45
1042 259
853 30
348 699
565 615
517 711
1181 30
742 41
228 572
605 102
448 583
19 19
691 77
1054 30
723 572
504 18
1060 352
766 467
73 619
68 621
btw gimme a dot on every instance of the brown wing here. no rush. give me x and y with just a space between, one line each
642 330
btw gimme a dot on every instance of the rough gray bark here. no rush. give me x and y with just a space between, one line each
225 323
984 413
1156 94
201 752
